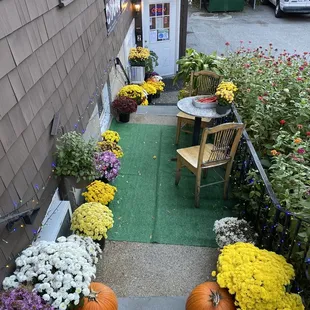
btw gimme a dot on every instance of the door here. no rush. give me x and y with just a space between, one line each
161 33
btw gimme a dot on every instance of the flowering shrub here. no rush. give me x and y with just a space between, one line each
60 271
257 278
229 230
110 136
149 88
107 165
92 219
124 105
135 92
225 92
22 299
111 146
273 100
98 191
138 55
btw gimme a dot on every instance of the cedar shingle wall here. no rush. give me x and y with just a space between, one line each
51 60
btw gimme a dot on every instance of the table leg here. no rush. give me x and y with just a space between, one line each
196 133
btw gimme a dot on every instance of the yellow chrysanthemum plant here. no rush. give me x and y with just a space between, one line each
111 136
92 219
158 84
138 56
149 88
257 278
111 146
135 92
225 93
99 191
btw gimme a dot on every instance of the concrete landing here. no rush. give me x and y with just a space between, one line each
152 303
135 269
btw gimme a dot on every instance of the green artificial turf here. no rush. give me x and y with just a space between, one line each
148 207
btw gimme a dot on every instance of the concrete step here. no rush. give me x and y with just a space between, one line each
152 303
158 110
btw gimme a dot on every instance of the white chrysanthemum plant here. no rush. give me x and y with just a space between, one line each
230 230
59 271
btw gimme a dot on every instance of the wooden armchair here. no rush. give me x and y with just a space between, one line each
201 83
199 158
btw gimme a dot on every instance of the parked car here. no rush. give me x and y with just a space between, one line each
289 6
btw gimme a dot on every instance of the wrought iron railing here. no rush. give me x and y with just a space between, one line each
278 229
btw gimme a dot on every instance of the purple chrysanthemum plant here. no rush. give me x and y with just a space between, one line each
107 165
22 299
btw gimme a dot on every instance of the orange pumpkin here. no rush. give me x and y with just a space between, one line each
101 297
209 296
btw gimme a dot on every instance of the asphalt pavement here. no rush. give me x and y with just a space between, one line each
208 32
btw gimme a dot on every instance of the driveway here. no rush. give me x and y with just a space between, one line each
208 32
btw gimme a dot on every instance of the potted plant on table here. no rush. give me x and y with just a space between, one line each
225 93
75 159
124 106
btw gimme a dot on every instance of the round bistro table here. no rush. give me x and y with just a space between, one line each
186 106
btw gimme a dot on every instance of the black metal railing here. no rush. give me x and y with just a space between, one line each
278 229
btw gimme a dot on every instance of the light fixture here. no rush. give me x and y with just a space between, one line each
137 7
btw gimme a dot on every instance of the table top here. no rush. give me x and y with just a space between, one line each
186 106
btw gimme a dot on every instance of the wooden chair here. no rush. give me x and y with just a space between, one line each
201 83
199 158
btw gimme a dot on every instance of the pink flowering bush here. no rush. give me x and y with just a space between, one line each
274 102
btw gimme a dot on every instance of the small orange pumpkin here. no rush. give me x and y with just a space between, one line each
101 297
209 296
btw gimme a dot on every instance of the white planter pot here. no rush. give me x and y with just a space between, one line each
137 74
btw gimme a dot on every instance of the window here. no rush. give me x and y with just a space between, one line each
159 22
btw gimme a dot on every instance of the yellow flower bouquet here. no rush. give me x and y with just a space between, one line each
135 92
138 56
257 278
92 219
225 93
110 136
98 191
111 146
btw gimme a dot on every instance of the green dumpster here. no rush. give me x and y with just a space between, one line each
224 5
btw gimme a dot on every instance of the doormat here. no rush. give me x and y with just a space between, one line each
148 207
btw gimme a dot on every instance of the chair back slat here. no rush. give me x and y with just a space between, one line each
204 83
225 141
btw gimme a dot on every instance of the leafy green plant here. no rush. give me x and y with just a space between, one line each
151 62
75 157
195 61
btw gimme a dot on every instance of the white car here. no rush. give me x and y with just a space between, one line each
289 6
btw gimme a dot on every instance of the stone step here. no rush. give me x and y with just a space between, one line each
152 303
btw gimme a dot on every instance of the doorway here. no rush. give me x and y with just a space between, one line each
161 33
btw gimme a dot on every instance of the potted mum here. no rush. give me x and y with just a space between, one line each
225 93
21 298
60 272
111 146
101 192
75 159
137 59
107 165
124 106
92 219
150 89
134 92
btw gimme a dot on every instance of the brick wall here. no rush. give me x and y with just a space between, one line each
51 60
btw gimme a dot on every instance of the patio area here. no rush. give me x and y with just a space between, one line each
160 245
